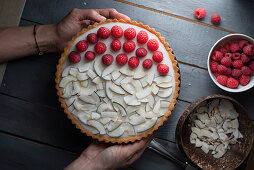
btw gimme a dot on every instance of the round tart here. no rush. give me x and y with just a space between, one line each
117 81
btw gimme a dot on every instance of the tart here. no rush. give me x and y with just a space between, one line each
118 81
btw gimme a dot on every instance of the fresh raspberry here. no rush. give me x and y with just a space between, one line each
249 50
130 33
92 38
213 66
237 64
100 48
228 55
227 46
221 79
116 31
234 47
251 65
157 56
236 73
246 70
221 69
82 45
129 46
116 45
90 55
133 62
223 50
228 72
147 63
121 59
232 83
253 57
107 59
245 58
142 37
215 19
236 56
74 57
163 69
141 52
216 74
199 13
243 43
226 61
244 80
103 32
217 56
153 44
252 73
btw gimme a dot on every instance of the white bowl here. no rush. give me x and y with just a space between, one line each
221 42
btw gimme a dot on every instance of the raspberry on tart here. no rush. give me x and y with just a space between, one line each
157 56
107 59
100 48
74 57
82 45
147 63
130 33
142 37
103 32
129 46
116 45
141 52
153 45
116 31
92 38
121 59
133 62
89 55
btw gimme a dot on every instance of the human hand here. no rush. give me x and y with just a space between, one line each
103 156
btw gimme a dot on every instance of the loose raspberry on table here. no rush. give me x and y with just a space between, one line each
116 31
244 79
92 38
74 57
251 65
147 63
237 64
245 58
90 55
236 56
234 47
199 13
157 56
82 46
228 72
130 33
226 61
236 73
163 69
152 44
222 79
142 37
103 32
116 45
221 69
217 56
100 48
223 50
129 46
215 19
246 70
107 59
228 55
243 43
232 83
141 52
121 59
133 62
213 66
249 50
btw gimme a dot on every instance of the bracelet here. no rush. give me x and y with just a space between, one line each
37 47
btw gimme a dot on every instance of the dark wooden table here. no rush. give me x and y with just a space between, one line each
34 131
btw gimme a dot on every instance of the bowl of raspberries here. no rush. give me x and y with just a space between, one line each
231 63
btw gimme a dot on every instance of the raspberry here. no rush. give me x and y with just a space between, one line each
116 31
129 46
147 63
245 58
223 50
103 32
243 43
246 70
249 50
142 37
133 62
227 46
141 52
236 56
121 59
244 80
215 19
228 55
232 83
82 45
213 66
216 74
100 48
217 56
236 73
199 13
252 73
163 69
74 57
90 55
234 47
153 44
221 79
157 56
221 69
228 72
107 59
130 33
92 38
116 45
237 64
251 65
226 61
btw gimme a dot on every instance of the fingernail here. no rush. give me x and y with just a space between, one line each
101 17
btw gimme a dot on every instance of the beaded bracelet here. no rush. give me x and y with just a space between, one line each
37 46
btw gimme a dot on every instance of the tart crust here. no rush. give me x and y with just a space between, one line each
64 56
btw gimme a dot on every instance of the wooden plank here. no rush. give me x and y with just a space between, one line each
22 154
